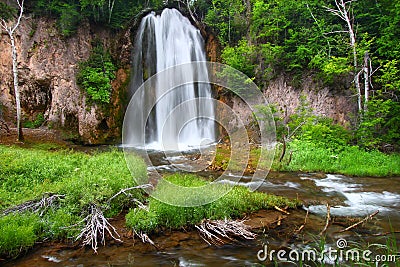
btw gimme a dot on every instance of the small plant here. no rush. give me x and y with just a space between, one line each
35 123
95 75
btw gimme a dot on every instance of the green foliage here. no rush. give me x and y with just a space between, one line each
27 174
228 20
350 160
95 75
240 57
380 125
69 19
6 12
114 14
235 204
36 123
18 232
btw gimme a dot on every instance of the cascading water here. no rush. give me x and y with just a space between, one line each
164 41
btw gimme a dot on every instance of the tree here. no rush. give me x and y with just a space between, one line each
344 12
10 28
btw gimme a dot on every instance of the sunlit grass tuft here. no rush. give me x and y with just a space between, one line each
237 203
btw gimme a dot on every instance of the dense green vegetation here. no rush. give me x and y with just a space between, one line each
266 38
85 180
235 204
29 174
114 14
96 73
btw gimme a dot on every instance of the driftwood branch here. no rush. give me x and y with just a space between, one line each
96 226
303 225
37 206
220 232
328 219
124 191
369 217
281 210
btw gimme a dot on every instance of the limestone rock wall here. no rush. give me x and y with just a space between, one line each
48 63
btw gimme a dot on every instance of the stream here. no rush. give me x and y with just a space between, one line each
349 198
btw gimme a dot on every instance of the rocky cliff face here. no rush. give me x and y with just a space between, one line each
48 64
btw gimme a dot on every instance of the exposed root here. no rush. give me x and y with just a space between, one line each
145 238
220 232
96 226
37 206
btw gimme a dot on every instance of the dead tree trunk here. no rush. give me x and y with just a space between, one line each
11 30
342 11
366 70
16 89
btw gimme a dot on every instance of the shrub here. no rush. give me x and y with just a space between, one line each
96 74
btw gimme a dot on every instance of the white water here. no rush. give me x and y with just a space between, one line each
164 41
357 201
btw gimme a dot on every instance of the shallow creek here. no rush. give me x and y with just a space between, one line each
350 198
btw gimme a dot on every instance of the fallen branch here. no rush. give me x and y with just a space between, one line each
220 232
96 225
328 219
360 222
281 210
123 191
37 206
302 226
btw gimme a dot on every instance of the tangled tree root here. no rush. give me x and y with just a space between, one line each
220 232
37 206
96 226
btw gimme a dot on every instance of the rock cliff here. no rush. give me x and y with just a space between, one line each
48 63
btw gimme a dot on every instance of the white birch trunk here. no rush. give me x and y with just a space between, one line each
16 88
366 80
10 30
343 13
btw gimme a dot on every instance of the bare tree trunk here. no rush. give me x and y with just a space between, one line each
342 12
16 89
366 70
10 30
110 9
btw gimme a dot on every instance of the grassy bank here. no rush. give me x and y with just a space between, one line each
236 203
29 174
348 160
84 180
305 156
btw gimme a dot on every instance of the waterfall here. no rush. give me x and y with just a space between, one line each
164 41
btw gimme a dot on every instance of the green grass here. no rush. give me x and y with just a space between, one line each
311 157
27 174
237 203
349 160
